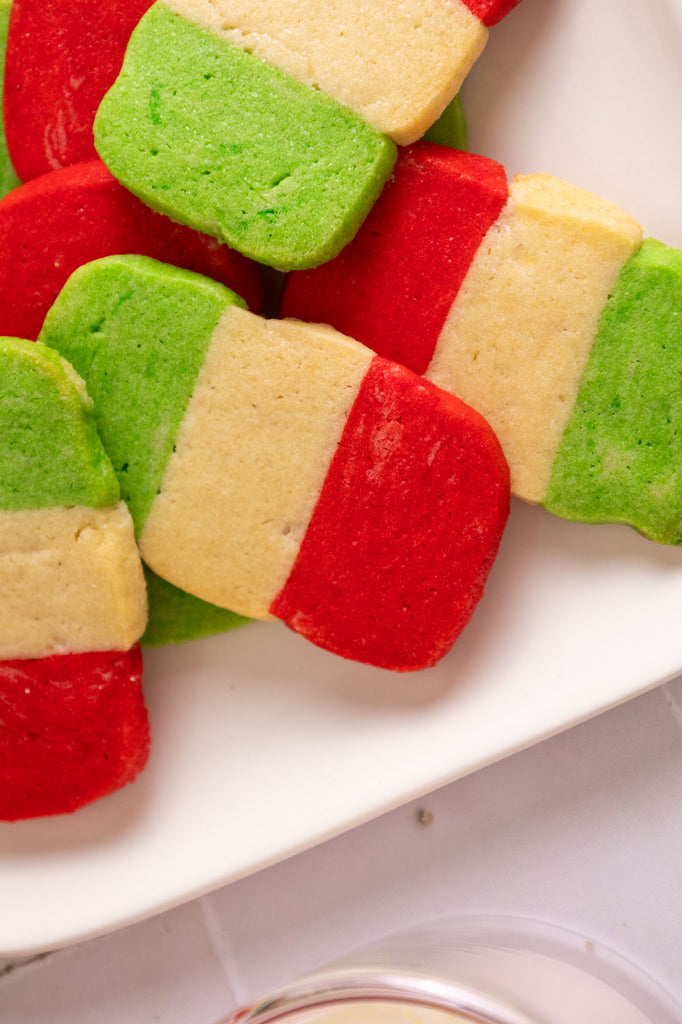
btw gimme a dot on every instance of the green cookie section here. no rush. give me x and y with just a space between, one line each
620 458
8 176
137 331
451 127
175 616
218 139
50 453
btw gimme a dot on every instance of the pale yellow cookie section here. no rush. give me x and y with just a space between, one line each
396 63
518 335
70 581
261 427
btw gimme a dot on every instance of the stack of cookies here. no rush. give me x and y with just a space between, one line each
190 438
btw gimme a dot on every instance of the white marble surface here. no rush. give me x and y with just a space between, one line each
583 830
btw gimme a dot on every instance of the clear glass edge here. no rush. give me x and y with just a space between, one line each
349 980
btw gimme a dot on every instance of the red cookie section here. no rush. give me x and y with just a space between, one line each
406 527
491 11
393 286
74 728
62 56
54 224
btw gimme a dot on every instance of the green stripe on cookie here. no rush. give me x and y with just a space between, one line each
620 458
140 368
175 616
50 453
218 139
8 176
451 127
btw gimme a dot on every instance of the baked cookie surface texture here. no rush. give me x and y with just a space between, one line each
62 56
75 730
176 617
620 455
52 225
397 66
73 600
283 470
393 286
517 350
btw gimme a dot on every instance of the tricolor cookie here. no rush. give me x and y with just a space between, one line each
506 296
72 597
283 470
269 125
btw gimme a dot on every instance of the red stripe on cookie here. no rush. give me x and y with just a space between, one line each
491 11
74 728
62 56
54 224
405 529
393 286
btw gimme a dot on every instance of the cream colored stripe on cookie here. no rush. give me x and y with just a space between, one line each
261 427
518 335
397 65
70 581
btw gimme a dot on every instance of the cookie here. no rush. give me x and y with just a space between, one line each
53 224
292 474
73 597
537 318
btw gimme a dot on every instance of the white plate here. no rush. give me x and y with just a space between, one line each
264 745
